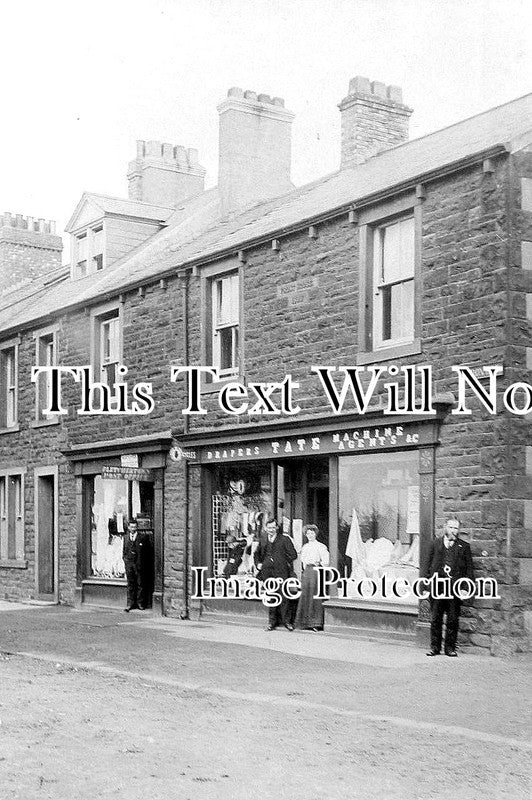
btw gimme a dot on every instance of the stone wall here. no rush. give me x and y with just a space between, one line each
301 307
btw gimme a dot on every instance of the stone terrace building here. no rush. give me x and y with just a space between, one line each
413 253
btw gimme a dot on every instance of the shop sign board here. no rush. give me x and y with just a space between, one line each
343 442
129 460
127 473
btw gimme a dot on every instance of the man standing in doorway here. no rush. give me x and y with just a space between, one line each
448 557
132 556
275 559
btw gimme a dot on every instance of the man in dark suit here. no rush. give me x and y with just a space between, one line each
132 555
275 558
448 557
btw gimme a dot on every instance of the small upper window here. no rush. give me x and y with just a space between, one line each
82 254
97 249
225 324
393 283
108 346
46 356
88 251
8 386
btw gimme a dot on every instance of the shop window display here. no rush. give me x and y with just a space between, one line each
379 519
115 501
240 504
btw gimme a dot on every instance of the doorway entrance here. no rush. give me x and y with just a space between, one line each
46 534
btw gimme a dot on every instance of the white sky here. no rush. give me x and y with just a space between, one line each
81 81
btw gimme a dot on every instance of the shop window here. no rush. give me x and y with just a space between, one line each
393 283
107 346
241 500
11 517
225 324
115 502
8 385
378 534
45 356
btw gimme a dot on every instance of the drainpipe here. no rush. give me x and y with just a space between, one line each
185 612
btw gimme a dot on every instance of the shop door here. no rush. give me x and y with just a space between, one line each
306 497
46 535
318 510
111 503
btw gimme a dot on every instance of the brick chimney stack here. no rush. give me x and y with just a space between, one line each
255 149
164 175
373 118
29 248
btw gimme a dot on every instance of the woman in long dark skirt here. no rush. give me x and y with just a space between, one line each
313 554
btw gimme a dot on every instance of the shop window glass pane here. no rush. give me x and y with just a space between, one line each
241 501
108 525
379 520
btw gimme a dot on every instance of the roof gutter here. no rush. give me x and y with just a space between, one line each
246 244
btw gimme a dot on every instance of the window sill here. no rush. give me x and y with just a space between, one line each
12 429
11 563
390 353
402 607
216 386
43 423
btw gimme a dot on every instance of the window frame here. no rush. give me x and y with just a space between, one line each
44 333
370 221
209 276
5 346
18 558
383 287
218 327
100 317
94 261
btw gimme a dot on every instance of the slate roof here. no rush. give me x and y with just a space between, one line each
195 231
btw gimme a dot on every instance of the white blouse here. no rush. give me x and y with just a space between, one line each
314 553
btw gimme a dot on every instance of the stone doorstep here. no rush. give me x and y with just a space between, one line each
338 631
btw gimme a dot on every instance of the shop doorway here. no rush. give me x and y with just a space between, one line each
111 503
306 496
46 544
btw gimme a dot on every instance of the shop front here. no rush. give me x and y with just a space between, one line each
367 484
116 483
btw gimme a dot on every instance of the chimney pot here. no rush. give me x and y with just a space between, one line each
395 94
235 91
278 101
153 149
378 89
264 98
192 156
359 85
181 156
249 95
168 151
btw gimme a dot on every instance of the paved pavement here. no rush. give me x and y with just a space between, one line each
344 716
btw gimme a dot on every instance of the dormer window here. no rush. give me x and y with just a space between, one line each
89 249
97 248
82 254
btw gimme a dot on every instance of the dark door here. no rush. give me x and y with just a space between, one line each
46 535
